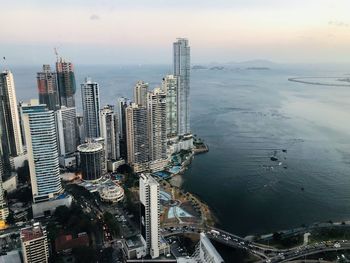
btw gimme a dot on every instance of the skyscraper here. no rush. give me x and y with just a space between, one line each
11 128
66 129
150 211
137 137
109 132
34 244
122 104
90 95
41 138
169 85
66 83
182 71
140 93
47 87
156 106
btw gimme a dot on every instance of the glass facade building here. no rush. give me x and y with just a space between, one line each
182 66
41 138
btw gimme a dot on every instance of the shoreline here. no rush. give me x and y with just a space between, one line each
176 180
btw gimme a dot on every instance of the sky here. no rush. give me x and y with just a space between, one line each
142 32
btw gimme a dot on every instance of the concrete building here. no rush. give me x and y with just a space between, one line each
90 161
66 83
47 88
137 137
182 66
66 129
109 132
90 95
10 116
140 93
111 193
169 86
156 107
80 130
34 244
150 212
4 211
205 253
134 247
41 138
122 104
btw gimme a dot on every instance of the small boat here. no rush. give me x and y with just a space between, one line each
273 158
280 163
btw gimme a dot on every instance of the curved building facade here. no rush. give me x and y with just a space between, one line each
91 155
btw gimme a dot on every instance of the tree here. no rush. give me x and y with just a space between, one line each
111 223
10 220
84 255
23 173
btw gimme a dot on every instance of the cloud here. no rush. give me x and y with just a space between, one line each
94 17
338 23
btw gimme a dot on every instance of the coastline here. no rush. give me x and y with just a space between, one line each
176 180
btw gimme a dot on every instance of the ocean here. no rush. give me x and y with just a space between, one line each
246 117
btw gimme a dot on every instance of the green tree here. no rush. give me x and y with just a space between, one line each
10 220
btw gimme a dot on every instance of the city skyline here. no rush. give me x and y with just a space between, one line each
224 31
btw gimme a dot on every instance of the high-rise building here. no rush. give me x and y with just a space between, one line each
137 137
122 104
169 85
156 106
140 93
109 132
150 212
47 87
66 83
34 244
41 139
90 96
11 128
91 160
66 129
182 71
80 129
4 211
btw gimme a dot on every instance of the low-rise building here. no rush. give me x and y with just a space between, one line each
65 243
135 247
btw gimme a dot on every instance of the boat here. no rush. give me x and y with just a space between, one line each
273 158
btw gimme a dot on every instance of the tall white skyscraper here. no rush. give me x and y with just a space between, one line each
156 106
34 244
140 93
10 113
169 86
150 211
109 132
182 67
66 128
90 95
41 139
137 137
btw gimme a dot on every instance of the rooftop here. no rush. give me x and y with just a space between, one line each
90 147
32 232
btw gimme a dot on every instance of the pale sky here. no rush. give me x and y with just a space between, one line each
140 31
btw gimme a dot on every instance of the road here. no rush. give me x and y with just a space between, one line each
265 253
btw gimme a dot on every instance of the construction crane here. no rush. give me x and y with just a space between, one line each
56 52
